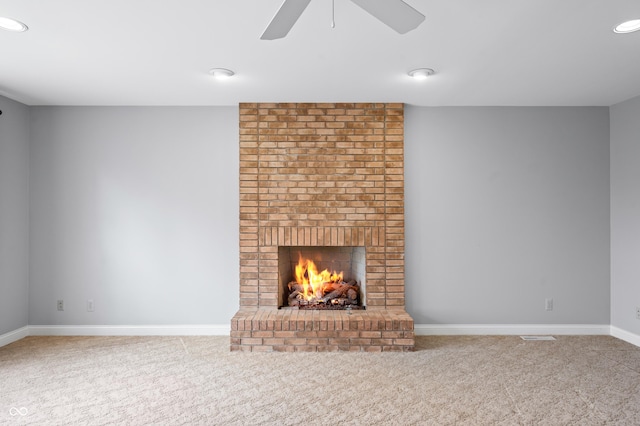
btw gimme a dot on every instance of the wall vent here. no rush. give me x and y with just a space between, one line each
537 338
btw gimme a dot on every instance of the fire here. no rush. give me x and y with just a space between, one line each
313 281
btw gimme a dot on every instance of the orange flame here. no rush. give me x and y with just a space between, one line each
313 281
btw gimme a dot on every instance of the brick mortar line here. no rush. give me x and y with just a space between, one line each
258 226
386 290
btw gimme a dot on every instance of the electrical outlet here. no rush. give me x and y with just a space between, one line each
638 312
61 305
548 304
90 306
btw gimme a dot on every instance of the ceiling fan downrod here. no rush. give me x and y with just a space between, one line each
333 13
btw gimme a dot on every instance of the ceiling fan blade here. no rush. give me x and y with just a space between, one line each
394 13
285 18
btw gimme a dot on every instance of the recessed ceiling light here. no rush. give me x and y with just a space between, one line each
221 73
12 25
628 27
421 73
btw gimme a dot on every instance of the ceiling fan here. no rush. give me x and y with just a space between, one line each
395 13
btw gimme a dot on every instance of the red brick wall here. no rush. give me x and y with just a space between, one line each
321 175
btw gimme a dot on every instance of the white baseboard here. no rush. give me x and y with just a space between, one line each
629 337
510 329
130 330
14 336
224 330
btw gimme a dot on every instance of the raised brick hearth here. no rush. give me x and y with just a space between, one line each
321 175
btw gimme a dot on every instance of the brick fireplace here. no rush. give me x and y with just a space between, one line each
321 175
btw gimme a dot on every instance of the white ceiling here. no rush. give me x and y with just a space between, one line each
158 52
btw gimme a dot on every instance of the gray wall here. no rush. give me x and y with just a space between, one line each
137 209
14 215
506 207
625 215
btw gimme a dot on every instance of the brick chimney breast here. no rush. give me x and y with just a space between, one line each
322 174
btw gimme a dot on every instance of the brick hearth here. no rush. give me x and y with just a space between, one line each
321 175
268 329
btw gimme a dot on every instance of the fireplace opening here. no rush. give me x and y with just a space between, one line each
322 278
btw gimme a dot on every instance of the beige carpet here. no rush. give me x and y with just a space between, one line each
196 380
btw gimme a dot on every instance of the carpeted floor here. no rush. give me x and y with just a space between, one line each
580 380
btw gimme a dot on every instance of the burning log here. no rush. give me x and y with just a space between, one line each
293 298
294 286
329 287
340 291
352 294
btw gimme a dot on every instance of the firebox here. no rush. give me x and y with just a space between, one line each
323 278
